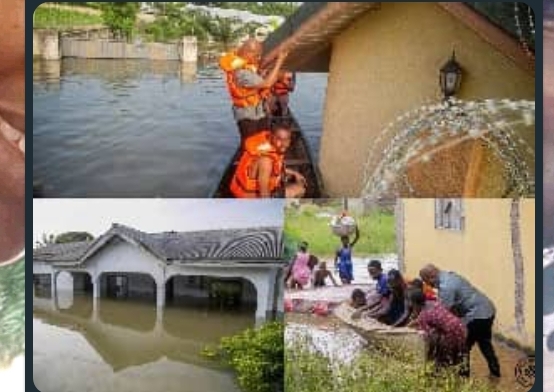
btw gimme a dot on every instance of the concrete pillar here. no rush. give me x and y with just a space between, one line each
51 47
160 294
188 72
53 284
189 50
96 285
262 300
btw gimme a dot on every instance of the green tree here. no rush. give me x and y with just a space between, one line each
47 239
73 236
120 18
226 31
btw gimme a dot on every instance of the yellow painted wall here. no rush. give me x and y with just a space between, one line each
387 63
482 253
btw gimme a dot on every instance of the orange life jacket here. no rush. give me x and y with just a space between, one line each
256 146
284 84
241 96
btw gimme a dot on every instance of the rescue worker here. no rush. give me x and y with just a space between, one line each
279 100
261 170
247 88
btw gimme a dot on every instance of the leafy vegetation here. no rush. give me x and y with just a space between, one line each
50 17
120 18
12 316
306 371
257 356
310 223
64 238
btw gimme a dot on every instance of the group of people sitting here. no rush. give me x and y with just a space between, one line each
453 314
260 107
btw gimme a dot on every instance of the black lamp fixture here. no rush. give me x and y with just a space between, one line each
450 77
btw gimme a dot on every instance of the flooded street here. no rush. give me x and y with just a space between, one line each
123 346
141 129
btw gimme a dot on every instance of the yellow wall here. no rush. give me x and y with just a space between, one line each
482 253
388 63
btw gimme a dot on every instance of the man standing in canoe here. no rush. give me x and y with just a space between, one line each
248 89
473 307
261 169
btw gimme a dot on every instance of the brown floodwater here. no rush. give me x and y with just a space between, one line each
124 346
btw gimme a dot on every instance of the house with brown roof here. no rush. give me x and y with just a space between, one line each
384 60
234 265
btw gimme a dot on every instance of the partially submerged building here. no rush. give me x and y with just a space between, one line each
230 266
384 59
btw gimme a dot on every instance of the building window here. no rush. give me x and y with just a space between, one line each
449 214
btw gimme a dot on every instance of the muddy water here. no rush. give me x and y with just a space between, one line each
124 346
508 357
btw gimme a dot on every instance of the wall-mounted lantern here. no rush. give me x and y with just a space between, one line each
450 77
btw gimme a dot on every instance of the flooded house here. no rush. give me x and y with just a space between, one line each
387 61
228 268
491 242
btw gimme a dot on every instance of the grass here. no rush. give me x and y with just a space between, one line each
377 231
306 371
52 18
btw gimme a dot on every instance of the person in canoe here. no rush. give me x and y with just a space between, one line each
475 309
278 102
261 171
343 258
248 89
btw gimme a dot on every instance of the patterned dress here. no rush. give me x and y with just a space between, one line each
445 332
301 271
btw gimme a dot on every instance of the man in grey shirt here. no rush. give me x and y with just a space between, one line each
247 87
472 306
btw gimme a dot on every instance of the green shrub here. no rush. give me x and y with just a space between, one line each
257 357
372 372
12 312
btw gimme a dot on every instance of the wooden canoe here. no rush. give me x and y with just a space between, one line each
401 340
298 158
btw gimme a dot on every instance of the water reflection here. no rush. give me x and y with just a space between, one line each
127 336
141 128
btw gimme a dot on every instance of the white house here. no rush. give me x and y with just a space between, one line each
235 265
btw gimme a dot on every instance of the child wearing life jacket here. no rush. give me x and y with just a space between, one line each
279 100
261 170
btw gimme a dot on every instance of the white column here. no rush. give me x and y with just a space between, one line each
53 288
95 296
52 46
262 300
160 293
189 50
